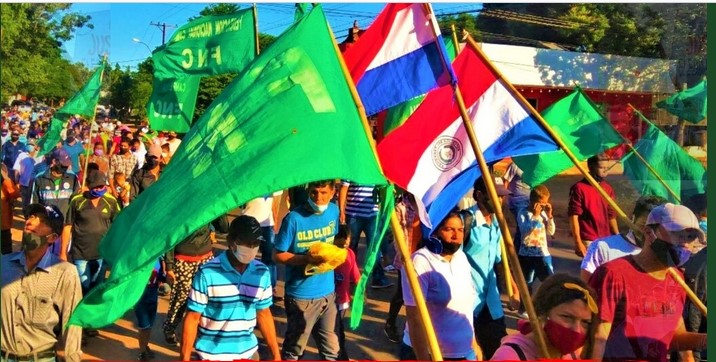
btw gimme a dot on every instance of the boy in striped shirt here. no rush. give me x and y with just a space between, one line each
229 297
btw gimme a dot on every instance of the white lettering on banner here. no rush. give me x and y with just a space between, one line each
166 109
227 25
202 57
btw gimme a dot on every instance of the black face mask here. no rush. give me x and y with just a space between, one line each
668 254
450 248
70 139
57 168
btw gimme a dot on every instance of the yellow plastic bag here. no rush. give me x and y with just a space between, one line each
333 256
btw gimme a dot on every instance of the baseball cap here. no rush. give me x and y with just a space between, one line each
675 218
50 215
245 228
61 155
96 178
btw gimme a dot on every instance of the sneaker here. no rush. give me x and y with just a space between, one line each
390 269
164 289
143 356
90 332
523 315
391 332
171 339
381 284
150 353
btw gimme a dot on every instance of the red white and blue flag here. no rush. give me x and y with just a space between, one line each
430 154
398 57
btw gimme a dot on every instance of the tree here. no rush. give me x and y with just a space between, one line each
462 22
31 35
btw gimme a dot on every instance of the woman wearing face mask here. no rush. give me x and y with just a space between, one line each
567 311
98 157
229 297
444 277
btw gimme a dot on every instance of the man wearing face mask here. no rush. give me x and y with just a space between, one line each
89 216
24 166
482 249
12 148
590 217
310 300
124 162
148 174
616 246
230 296
39 293
55 185
640 304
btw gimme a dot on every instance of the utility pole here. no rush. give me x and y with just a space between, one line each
163 28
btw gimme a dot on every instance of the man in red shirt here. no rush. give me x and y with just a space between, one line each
640 304
590 217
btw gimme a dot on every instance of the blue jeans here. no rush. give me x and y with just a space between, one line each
266 249
91 273
366 225
316 317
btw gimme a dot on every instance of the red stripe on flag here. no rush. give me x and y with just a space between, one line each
400 151
359 56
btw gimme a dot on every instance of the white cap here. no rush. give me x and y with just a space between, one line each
675 218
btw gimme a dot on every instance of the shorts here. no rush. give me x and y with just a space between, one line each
146 308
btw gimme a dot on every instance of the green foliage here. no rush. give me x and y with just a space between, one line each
622 29
31 37
462 22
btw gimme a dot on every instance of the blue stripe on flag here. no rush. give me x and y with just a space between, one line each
384 87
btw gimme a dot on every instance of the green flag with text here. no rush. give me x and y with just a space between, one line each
288 119
207 46
581 127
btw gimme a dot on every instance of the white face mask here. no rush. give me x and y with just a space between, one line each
317 208
244 254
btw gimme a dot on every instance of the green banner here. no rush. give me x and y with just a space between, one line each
287 120
171 106
583 130
209 45
689 104
85 101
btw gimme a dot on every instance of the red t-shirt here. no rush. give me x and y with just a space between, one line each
643 310
346 274
592 211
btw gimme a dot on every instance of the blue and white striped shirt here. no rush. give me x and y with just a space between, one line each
227 302
361 200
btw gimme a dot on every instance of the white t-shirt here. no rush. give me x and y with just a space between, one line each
450 297
607 249
261 209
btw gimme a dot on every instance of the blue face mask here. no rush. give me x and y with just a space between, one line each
98 192
702 225
319 209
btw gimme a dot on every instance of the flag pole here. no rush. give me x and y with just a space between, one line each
92 121
648 166
256 28
412 276
574 160
492 192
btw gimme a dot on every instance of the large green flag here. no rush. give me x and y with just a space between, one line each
83 103
301 10
207 46
684 175
397 115
689 105
288 119
171 106
581 127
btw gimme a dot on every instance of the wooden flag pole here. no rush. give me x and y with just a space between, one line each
91 122
256 29
694 298
506 236
412 276
555 137
574 160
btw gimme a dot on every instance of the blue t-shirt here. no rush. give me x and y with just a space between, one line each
299 230
483 252
227 301
74 151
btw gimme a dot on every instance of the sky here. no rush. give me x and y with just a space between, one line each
117 24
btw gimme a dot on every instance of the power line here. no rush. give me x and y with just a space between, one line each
163 28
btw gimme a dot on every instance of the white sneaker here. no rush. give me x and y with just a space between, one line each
389 269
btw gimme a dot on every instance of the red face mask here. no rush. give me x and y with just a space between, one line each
566 340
